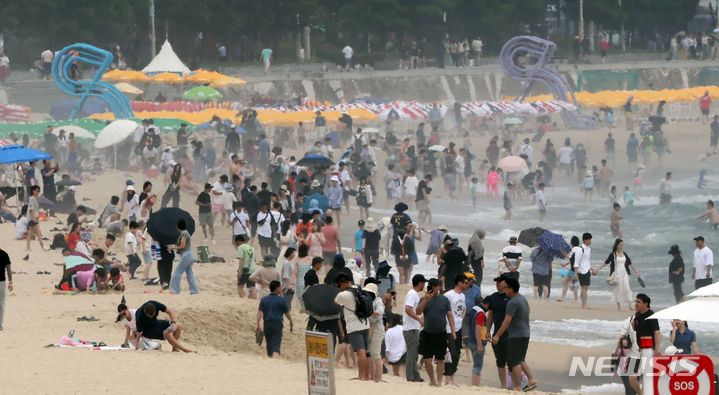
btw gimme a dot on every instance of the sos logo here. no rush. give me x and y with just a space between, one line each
683 375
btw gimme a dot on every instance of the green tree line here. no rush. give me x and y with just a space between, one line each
245 26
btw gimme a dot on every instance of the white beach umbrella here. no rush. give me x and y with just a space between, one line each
115 133
709 290
702 309
80 133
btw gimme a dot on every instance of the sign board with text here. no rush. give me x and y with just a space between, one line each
683 375
320 363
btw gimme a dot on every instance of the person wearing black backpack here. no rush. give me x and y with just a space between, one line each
357 308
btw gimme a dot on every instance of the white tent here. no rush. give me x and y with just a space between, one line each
166 61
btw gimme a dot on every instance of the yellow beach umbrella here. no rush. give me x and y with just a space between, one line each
125 87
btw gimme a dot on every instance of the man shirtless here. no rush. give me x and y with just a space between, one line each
711 214
614 222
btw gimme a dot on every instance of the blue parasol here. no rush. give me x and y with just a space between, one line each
315 161
316 201
18 153
553 244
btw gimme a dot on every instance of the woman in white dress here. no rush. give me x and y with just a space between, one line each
620 263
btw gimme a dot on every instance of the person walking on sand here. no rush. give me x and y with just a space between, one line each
412 322
711 214
644 327
703 264
33 224
583 266
272 308
357 328
187 259
457 302
495 317
614 219
619 264
516 324
437 311
676 272
4 267
149 327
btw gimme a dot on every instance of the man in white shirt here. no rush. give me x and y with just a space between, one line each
133 260
512 258
665 189
410 185
239 219
583 266
527 150
565 157
345 181
395 346
457 301
411 324
46 56
348 53
357 328
541 202
133 203
265 219
703 264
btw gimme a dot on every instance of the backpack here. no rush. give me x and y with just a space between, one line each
363 303
357 146
274 226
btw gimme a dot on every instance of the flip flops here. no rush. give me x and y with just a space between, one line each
529 388
259 336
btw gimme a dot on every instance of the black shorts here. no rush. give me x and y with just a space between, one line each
541 280
266 242
501 350
705 112
585 279
403 263
244 279
157 331
30 224
359 340
400 361
517 350
433 345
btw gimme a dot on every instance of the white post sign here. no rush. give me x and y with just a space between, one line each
320 363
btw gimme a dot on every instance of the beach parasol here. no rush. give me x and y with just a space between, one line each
316 201
512 163
370 131
18 153
512 121
115 133
315 161
698 310
128 88
437 147
166 78
162 225
5 143
77 262
553 243
709 290
529 236
319 302
80 133
202 93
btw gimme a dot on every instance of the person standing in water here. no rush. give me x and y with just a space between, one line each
703 264
676 272
665 189
541 202
711 214
614 221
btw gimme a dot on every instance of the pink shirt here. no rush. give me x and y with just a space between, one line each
492 178
84 279
331 235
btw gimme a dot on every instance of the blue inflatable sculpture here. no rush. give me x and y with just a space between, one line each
541 51
62 67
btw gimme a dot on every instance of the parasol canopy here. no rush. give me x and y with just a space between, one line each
18 153
115 133
315 161
80 133
512 163
202 93
319 302
162 225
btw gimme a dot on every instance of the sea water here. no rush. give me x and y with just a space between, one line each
649 230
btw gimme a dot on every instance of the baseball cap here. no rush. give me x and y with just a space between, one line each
129 182
513 239
335 178
360 223
130 188
469 275
699 238
434 281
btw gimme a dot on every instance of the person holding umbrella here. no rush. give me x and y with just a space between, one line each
184 248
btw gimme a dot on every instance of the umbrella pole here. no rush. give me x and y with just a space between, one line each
17 196
114 155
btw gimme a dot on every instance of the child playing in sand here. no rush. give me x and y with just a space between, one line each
116 281
83 281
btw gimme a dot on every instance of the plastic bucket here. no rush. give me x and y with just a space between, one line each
203 254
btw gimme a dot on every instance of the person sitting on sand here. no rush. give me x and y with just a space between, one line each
149 327
84 280
127 316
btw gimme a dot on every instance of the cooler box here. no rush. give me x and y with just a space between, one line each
203 254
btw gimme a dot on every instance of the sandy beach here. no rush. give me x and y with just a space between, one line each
220 326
